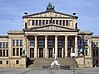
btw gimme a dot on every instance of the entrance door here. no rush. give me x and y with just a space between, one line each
40 52
31 52
60 52
50 52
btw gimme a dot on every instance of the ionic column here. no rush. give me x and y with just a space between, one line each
56 45
66 46
35 49
76 47
46 50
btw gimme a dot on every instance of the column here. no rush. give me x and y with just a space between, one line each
25 46
89 48
46 49
35 49
66 46
76 47
56 45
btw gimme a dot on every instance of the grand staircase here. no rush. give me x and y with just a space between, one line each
39 62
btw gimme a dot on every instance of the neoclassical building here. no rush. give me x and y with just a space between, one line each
45 34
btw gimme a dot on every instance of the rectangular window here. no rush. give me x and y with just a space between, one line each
7 62
50 42
20 51
67 22
17 51
0 62
36 22
86 42
39 22
96 53
17 42
3 53
21 42
31 53
69 42
57 22
0 53
54 21
32 22
63 22
6 53
13 51
60 43
4 44
41 42
43 22
46 21
32 42
60 22
13 42
0 44
93 53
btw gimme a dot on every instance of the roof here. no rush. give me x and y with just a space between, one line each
86 32
95 36
28 15
3 36
15 32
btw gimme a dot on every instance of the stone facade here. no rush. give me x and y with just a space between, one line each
45 34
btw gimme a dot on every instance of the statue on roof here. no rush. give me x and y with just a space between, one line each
50 7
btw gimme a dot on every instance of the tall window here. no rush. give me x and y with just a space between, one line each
41 42
13 51
13 42
0 44
96 53
6 44
21 42
3 53
3 44
0 53
0 62
69 42
32 22
6 53
39 22
46 21
32 42
86 42
67 22
60 22
50 42
57 22
36 22
86 51
20 51
63 22
54 21
43 22
17 42
17 61
17 51
60 43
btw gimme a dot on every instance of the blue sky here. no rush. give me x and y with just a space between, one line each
11 12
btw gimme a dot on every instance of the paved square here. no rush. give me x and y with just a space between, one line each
43 71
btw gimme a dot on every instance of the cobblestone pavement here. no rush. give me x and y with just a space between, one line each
43 71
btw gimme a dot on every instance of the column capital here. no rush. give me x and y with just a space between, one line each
36 35
66 35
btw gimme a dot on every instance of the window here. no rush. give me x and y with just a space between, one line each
50 42
0 62
60 22
21 42
56 21
79 42
46 21
96 53
13 51
17 61
32 22
69 42
86 42
96 61
39 22
67 22
0 44
31 52
20 51
13 42
0 53
63 22
59 43
86 51
32 42
6 53
6 44
7 62
43 22
41 42
17 51
17 42
93 53
36 22
3 53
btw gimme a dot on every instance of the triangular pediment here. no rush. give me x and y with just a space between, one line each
51 28
50 14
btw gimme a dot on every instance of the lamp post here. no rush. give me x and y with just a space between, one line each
73 56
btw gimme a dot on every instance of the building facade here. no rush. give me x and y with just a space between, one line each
45 34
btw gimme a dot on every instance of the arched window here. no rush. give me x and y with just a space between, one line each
17 61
